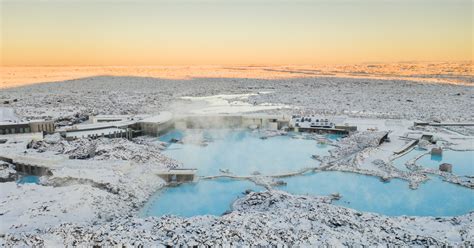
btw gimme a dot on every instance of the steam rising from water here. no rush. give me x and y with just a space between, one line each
242 152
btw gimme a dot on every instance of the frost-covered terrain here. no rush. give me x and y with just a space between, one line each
140 150
91 181
98 186
70 101
7 172
268 218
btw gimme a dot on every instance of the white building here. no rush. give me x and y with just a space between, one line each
310 121
157 124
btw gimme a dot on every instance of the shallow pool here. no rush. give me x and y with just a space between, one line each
243 152
462 161
364 193
28 179
400 162
213 197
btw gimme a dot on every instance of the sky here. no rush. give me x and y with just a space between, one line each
231 32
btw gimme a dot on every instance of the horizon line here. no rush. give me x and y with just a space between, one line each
252 65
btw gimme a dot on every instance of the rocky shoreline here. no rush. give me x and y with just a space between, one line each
269 218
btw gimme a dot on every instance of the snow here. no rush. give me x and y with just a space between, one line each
368 98
27 207
79 191
162 117
7 115
106 191
227 104
105 149
7 172
268 218
98 186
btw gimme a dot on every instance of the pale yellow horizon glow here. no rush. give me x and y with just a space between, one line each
129 33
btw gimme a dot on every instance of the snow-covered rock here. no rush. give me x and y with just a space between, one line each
269 218
7 172
139 151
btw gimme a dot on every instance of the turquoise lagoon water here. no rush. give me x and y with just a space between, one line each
401 161
213 197
243 152
463 162
394 198
28 179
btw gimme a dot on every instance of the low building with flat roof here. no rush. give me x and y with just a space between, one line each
33 126
110 132
157 124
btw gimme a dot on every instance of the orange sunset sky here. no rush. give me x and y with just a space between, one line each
195 32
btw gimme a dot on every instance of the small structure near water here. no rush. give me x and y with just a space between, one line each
428 137
178 175
315 124
437 151
446 167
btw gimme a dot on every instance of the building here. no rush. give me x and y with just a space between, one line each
108 118
310 121
34 126
157 124
12 128
116 118
120 126
100 133
37 126
118 129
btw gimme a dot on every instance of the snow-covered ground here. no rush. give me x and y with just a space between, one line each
98 186
224 104
115 181
7 115
267 218
71 100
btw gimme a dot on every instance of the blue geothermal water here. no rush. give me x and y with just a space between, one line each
243 152
401 161
213 197
28 179
369 194
462 161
